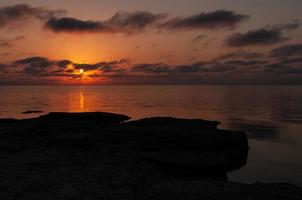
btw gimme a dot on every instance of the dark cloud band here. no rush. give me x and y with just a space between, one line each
132 22
287 51
284 61
125 22
262 36
22 12
213 20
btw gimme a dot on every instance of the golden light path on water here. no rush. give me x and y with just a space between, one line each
82 101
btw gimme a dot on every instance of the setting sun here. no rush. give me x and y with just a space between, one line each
81 71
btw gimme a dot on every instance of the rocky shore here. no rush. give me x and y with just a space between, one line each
93 156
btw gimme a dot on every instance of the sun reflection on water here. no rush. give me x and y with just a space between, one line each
82 101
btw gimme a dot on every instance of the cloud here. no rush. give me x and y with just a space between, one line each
199 38
288 60
10 42
5 54
2 67
246 62
195 68
132 21
216 66
219 19
189 68
86 67
30 60
121 22
287 51
260 37
61 75
282 65
19 13
239 54
292 61
68 24
64 63
5 43
289 26
34 65
113 66
20 37
104 67
210 41
285 60
282 69
46 68
256 37
135 22
152 68
221 68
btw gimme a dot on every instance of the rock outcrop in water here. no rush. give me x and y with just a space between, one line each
105 156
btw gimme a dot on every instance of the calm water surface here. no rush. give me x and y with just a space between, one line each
271 115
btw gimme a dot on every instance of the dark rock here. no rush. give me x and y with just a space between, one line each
102 117
174 122
105 156
32 112
214 190
67 192
7 120
190 147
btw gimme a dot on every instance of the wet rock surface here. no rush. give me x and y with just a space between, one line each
105 156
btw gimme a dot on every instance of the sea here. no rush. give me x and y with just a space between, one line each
271 115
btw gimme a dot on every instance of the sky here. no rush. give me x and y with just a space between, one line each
150 42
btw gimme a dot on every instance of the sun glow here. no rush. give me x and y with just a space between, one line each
77 75
81 71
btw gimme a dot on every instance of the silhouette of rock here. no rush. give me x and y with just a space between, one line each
32 112
174 122
67 192
190 147
99 116
105 156
212 190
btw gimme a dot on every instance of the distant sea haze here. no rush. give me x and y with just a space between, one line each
270 115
